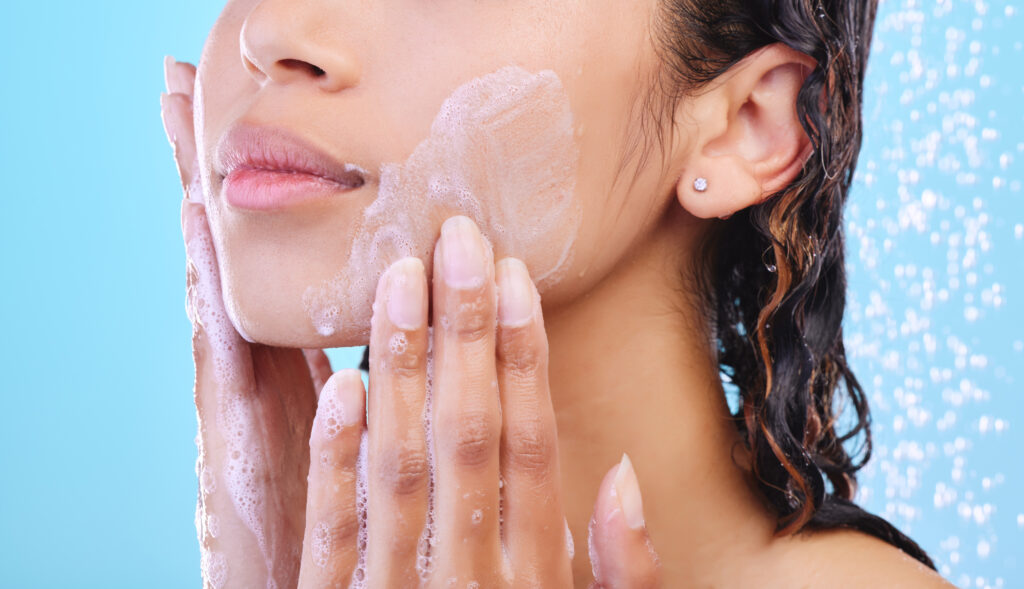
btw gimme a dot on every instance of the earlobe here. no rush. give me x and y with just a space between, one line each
749 140
713 190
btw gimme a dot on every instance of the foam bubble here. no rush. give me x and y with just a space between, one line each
207 481
330 413
322 548
362 489
213 525
214 567
428 538
398 343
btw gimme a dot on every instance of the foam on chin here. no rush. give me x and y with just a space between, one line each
501 151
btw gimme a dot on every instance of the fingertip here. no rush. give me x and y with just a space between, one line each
627 491
179 76
351 379
193 221
516 293
352 393
620 550
339 407
168 64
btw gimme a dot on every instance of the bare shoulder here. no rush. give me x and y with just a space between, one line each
838 559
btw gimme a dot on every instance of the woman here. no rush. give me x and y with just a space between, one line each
666 175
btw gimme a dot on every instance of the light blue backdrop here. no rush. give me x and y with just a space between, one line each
97 459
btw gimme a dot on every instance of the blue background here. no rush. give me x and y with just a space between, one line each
98 484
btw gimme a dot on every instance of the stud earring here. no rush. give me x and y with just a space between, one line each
700 184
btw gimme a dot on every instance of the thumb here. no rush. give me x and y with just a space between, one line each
621 554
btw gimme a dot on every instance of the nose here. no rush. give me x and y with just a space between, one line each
288 42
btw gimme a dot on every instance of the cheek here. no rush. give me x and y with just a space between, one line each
502 152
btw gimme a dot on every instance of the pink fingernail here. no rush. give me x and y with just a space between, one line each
627 492
515 293
405 288
165 116
462 254
168 64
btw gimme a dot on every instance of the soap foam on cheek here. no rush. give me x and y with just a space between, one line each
501 151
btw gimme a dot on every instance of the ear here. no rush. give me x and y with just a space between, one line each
745 139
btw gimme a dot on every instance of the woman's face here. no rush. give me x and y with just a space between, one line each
521 114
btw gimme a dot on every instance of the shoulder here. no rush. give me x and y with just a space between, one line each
843 558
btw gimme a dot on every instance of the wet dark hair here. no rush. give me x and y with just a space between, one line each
774 274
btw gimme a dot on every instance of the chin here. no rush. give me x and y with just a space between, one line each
276 317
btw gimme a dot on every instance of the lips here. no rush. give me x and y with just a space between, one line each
268 168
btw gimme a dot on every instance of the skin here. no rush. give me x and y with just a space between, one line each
616 358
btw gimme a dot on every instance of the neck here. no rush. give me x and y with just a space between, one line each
633 370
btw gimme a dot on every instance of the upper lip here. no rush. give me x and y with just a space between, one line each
253 147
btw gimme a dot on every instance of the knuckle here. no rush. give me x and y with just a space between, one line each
338 454
404 469
406 354
474 438
521 352
530 446
471 320
341 527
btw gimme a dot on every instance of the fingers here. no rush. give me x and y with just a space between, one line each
466 409
533 515
179 76
399 474
177 115
319 368
330 546
621 554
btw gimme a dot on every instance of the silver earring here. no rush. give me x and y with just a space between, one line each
700 184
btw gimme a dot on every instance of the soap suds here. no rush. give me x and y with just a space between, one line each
244 467
322 548
331 415
501 151
428 538
362 489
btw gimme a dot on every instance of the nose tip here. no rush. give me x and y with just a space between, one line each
287 48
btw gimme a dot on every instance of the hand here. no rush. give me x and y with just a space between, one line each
254 403
457 484
251 519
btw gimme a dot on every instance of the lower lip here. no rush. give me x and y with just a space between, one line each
268 190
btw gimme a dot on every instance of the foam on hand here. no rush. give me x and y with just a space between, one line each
500 151
242 476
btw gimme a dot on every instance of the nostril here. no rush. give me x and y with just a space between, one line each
298 64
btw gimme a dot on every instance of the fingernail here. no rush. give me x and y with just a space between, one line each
178 77
627 493
165 116
339 404
168 64
462 253
406 289
515 293
353 396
